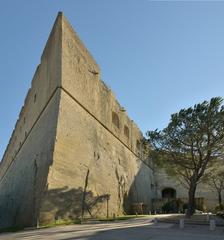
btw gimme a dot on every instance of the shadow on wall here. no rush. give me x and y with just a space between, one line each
21 196
71 203
138 198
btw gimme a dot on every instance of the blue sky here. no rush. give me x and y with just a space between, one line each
157 56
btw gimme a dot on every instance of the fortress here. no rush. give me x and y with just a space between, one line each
74 151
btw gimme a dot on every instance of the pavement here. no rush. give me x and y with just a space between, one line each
133 229
200 219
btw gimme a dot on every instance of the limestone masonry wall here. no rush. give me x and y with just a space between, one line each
163 181
45 81
74 149
81 80
94 135
25 164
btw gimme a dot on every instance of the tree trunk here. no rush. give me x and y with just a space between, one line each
191 199
220 198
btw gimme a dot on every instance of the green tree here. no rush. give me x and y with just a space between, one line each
191 142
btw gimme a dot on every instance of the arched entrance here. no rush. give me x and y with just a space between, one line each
169 193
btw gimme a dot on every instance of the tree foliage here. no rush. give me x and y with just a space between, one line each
192 141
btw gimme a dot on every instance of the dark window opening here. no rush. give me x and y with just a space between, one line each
115 119
126 131
138 145
169 193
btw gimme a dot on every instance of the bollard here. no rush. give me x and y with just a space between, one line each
155 221
181 223
207 217
38 225
150 213
212 225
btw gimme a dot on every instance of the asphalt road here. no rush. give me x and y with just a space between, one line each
135 229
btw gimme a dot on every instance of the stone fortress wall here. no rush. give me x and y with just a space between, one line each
208 196
74 150
32 141
94 136
44 83
72 136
